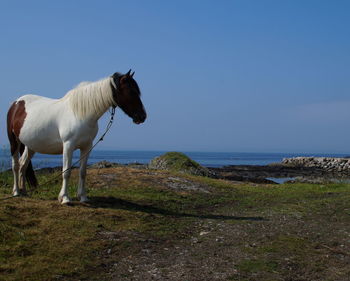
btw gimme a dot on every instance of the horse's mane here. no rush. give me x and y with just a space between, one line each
91 98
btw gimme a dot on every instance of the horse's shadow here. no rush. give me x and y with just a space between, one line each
120 204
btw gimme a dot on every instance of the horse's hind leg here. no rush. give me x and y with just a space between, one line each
84 154
15 170
23 164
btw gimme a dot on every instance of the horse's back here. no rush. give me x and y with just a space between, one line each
29 99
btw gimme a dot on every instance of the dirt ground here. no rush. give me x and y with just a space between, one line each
231 243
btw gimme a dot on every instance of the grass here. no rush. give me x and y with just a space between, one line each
179 162
42 240
271 231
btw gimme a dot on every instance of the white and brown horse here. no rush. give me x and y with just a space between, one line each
60 126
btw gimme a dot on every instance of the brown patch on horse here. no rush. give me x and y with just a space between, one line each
15 120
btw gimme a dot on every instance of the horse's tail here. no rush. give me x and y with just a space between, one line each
30 174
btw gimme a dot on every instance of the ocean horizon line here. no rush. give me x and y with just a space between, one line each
207 159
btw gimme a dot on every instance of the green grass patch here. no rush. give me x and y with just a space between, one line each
288 198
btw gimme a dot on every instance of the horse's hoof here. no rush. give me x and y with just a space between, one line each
24 193
64 200
84 199
16 194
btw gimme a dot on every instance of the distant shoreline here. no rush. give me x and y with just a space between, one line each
207 159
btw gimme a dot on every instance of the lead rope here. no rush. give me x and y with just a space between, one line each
109 125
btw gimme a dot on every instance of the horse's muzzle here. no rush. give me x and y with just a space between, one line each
139 118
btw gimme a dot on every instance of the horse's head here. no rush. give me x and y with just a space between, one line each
127 96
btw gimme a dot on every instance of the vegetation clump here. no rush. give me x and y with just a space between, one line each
179 162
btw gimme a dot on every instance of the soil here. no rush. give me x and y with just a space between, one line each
233 243
212 250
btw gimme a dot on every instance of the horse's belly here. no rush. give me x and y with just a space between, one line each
47 148
42 140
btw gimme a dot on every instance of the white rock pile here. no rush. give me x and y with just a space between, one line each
329 164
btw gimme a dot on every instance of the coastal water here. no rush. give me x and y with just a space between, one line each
208 159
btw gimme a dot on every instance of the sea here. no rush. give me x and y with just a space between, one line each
207 159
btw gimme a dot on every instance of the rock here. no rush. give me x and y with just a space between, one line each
329 164
296 169
103 164
179 162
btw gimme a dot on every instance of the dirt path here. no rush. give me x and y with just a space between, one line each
276 248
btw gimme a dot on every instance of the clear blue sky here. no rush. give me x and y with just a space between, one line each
254 76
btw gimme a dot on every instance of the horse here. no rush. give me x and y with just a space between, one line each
60 126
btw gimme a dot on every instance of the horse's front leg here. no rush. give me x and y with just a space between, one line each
84 155
63 197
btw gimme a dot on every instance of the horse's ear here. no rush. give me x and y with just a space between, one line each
128 73
132 74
